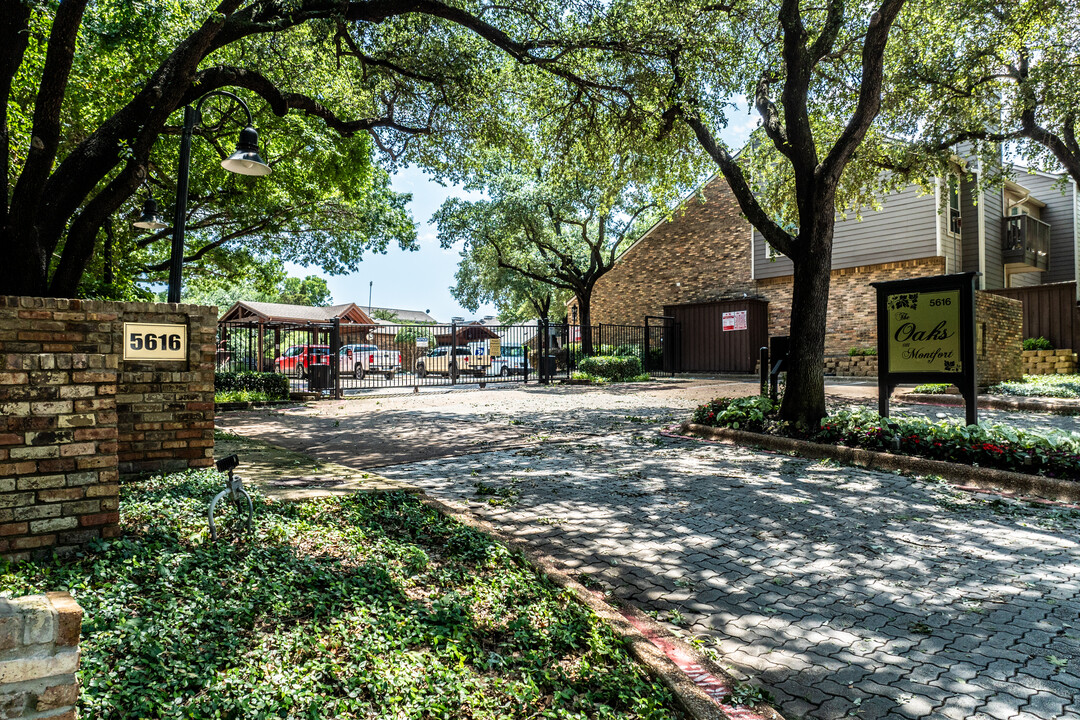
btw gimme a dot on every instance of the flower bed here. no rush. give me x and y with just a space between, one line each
1055 455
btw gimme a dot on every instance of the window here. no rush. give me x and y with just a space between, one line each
953 218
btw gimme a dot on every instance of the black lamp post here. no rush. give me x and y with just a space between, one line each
245 161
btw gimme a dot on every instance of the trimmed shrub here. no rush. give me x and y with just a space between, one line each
274 385
611 367
1039 343
860 352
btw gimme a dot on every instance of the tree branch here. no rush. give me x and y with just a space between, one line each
773 233
873 69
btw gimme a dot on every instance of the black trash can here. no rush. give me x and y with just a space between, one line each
319 378
548 366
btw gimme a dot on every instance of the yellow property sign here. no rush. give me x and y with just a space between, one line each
924 331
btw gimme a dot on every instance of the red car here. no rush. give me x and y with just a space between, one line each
298 358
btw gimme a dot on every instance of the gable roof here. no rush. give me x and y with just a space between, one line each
264 312
405 316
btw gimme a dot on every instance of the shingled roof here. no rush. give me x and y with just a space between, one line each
265 312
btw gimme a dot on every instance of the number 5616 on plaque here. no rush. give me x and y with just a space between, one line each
151 341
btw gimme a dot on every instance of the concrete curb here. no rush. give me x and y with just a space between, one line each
694 679
965 475
1057 406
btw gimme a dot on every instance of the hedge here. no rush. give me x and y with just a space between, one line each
275 385
618 368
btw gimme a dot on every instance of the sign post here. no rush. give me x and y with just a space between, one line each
926 334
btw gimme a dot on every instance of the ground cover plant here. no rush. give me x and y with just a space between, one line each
231 396
365 606
1054 386
274 385
1001 446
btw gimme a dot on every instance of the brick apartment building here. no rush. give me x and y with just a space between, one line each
708 259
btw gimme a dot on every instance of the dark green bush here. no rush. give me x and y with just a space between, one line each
611 367
859 352
275 385
1039 343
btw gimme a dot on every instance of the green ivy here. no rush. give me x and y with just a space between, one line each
274 385
366 606
1055 386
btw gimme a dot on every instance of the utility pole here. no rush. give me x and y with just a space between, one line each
370 283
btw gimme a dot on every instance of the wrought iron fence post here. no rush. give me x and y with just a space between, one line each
335 365
645 348
451 363
763 370
545 350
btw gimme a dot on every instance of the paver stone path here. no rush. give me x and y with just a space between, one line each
844 592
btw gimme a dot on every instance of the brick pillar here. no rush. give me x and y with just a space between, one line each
39 654
58 466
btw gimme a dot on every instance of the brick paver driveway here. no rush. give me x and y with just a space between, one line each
847 593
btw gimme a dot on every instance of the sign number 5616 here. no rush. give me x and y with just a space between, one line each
149 341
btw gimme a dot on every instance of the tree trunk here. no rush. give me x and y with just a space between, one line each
585 317
804 393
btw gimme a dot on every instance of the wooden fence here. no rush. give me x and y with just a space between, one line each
1050 311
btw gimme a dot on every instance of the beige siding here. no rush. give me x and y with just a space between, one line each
905 228
1060 215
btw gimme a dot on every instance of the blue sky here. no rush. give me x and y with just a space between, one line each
418 280
421 280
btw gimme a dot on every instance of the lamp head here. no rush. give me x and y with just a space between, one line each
149 220
246 160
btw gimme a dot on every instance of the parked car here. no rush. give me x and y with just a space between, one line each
359 360
298 358
440 362
510 361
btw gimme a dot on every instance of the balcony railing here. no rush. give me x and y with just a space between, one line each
1026 242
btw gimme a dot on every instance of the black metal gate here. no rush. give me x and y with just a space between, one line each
344 359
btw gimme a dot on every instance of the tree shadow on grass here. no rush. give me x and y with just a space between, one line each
373 605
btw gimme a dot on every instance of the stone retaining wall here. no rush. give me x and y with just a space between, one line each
39 654
1049 362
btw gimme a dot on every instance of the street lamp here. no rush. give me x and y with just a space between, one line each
245 161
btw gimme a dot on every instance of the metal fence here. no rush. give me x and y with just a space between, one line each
345 359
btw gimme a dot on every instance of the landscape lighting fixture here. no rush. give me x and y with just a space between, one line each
246 160
149 220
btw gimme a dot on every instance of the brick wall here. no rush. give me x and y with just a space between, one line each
852 319
74 415
39 654
58 443
703 254
999 325
166 410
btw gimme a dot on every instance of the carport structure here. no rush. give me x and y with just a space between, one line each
257 321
